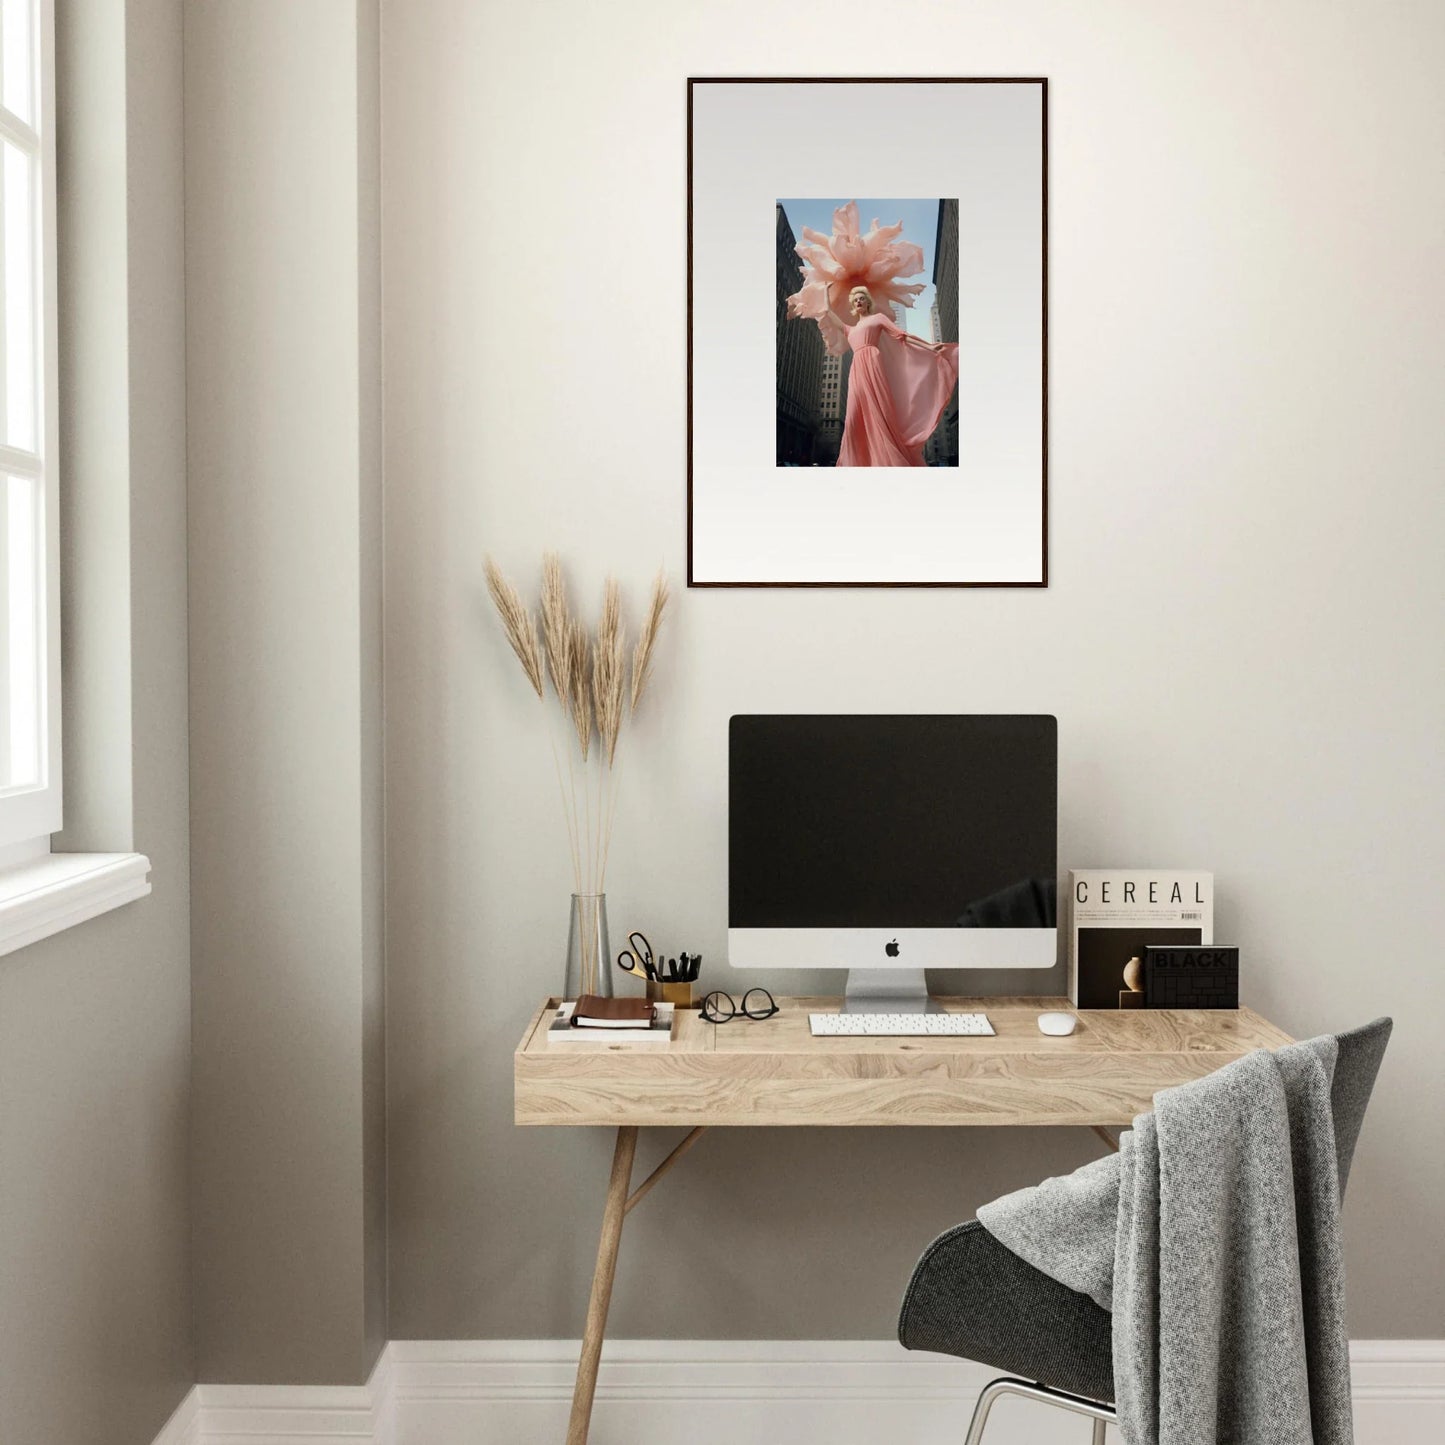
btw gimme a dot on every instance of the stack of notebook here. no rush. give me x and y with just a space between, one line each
593 1020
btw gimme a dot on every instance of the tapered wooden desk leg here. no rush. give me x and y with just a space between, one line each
1106 1136
602 1277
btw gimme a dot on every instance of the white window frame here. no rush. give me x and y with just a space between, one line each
42 892
30 814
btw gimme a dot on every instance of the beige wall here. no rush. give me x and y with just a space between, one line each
1241 640
95 1343
282 297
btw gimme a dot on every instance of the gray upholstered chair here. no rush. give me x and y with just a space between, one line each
972 1297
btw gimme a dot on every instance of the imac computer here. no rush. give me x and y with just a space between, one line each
890 844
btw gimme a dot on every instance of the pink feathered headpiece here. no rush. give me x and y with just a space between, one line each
836 264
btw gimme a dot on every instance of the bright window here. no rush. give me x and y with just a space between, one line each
29 547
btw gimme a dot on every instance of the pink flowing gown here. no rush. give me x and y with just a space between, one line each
896 394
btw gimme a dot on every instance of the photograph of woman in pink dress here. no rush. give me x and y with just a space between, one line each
898 387
872 382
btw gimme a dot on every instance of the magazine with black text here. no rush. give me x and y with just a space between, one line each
1115 912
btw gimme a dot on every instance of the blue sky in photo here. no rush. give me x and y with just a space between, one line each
920 225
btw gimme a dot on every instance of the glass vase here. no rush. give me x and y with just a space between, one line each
589 953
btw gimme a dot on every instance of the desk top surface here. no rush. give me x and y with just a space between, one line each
774 1072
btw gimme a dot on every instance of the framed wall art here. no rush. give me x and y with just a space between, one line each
879 416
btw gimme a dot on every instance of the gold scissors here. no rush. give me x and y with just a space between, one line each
637 957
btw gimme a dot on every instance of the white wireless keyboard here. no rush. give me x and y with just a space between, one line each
899 1026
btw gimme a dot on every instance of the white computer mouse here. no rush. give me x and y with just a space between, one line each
1057 1024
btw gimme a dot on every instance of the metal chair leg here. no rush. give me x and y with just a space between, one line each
987 1396
1099 1413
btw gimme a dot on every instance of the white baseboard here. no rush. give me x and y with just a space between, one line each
714 1392
184 1427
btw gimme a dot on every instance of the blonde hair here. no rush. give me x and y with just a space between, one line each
864 291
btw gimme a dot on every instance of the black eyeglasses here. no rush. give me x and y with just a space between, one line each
719 1008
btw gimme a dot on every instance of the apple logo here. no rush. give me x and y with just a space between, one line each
891 949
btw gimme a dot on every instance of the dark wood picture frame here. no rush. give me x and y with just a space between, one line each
1042 82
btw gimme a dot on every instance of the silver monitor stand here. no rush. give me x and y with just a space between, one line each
887 991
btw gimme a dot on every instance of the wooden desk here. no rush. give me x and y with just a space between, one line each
773 1072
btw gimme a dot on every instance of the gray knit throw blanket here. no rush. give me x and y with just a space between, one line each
1214 1237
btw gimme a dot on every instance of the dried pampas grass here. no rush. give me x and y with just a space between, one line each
555 618
647 639
609 671
589 676
579 684
517 623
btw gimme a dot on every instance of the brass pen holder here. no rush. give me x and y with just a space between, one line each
677 994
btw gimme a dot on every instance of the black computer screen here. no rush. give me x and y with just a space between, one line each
915 821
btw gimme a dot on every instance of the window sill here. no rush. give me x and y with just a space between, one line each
62 889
